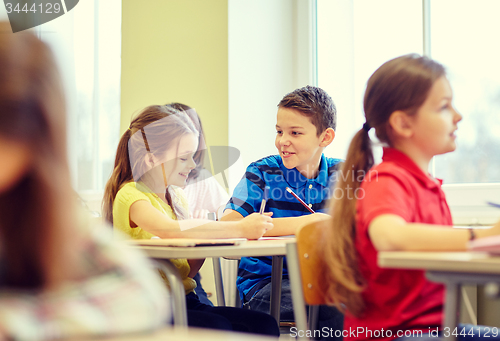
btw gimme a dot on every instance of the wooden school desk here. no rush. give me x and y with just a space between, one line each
251 248
183 335
450 268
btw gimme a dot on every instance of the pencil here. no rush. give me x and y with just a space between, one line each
493 204
264 199
300 200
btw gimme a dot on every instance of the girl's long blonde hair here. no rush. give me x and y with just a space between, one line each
403 84
139 144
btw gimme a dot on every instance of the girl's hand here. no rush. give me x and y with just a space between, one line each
318 217
255 225
495 230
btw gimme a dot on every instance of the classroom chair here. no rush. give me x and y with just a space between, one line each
177 292
305 261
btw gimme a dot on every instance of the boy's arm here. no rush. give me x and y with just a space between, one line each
282 226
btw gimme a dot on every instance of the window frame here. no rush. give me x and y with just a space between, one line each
467 201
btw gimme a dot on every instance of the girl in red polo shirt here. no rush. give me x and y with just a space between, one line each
397 205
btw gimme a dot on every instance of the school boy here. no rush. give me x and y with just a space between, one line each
305 125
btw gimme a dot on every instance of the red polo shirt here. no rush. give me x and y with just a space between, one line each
396 300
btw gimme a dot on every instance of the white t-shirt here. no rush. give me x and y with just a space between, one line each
204 195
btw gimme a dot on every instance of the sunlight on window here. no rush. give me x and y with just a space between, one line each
87 44
464 38
355 37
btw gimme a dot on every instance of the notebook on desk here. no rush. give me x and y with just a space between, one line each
188 242
487 244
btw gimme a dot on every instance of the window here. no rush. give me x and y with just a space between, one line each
356 37
462 39
86 42
87 45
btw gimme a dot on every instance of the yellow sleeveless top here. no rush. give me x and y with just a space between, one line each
129 194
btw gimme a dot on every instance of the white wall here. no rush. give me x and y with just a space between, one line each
269 45
3 14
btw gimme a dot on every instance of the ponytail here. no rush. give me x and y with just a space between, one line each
342 275
122 173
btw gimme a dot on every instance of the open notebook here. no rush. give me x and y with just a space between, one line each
187 242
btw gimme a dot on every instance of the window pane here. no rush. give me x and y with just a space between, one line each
354 39
87 45
464 38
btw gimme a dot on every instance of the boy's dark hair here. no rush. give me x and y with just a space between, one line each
314 103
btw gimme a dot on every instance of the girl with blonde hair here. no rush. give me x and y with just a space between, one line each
144 199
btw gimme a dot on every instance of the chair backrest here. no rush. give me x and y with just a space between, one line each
311 262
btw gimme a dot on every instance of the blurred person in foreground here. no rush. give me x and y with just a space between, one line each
59 277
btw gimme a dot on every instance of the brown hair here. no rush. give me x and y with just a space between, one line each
36 212
403 84
134 148
199 156
314 103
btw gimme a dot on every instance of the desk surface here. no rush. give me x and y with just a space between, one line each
183 335
251 248
466 262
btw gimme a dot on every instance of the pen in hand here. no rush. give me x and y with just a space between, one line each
264 199
300 200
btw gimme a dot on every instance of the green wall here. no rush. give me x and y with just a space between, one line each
176 50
